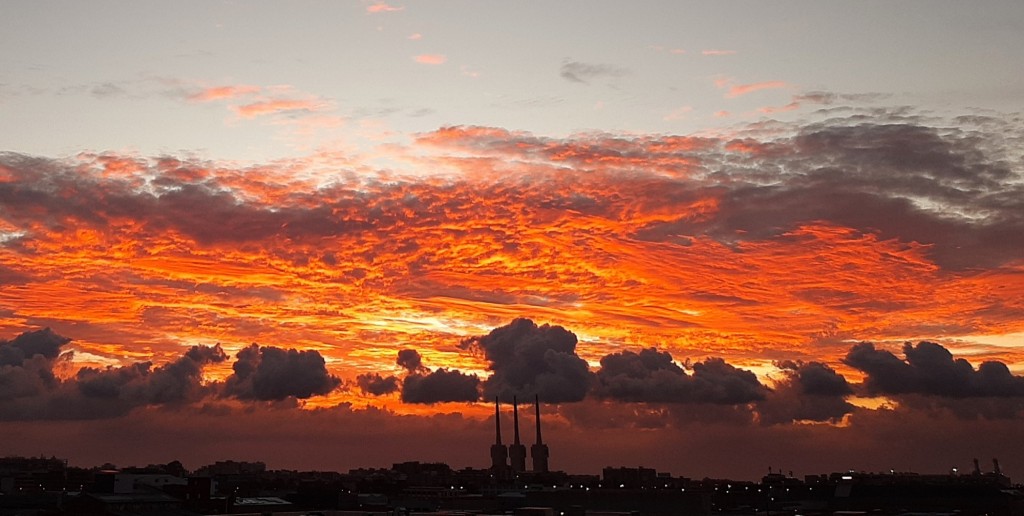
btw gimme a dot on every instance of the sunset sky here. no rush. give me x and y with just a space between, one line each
713 237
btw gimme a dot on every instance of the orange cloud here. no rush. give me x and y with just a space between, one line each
224 93
430 59
732 247
738 90
713 52
382 8
272 106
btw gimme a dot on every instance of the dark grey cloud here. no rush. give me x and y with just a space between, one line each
441 385
651 376
26 364
584 73
830 97
815 378
410 360
42 342
269 373
139 384
182 197
902 180
810 391
31 377
377 385
930 369
527 360
30 390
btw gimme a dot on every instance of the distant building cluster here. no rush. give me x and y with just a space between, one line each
49 486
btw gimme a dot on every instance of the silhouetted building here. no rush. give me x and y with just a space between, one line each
517 451
499 452
32 474
539 451
629 477
230 467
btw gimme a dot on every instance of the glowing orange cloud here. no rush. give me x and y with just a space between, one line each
713 52
739 90
382 8
224 93
733 247
431 59
272 106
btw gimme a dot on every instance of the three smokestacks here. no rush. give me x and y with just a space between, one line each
513 457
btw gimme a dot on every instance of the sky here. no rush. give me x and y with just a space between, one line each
712 237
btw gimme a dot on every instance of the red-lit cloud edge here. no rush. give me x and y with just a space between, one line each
775 249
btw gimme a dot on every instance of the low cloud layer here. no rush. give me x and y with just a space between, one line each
270 374
929 368
652 376
30 390
809 391
440 385
376 385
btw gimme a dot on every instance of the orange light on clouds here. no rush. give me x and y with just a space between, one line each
738 90
431 59
224 93
614 238
267 107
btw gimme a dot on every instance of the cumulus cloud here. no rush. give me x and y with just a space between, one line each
930 369
377 385
410 360
44 343
584 73
440 385
269 373
815 378
810 391
651 376
30 390
139 384
26 366
527 360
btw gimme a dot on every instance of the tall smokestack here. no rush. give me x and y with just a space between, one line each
536 406
517 452
995 467
497 422
977 468
515 417
539 451
499 452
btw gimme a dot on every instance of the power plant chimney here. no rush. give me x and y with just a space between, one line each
517 451
499 452
995 467
977 468
539 451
